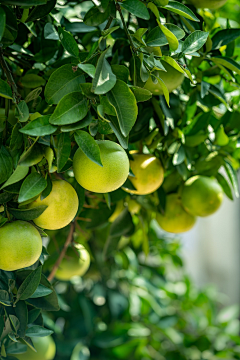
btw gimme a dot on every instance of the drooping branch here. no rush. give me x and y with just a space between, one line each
63 252
10 80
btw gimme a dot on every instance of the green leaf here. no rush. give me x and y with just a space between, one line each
32 186
121 72
11 28
5 298
63 150
6 164
15 322
164 89
24 2
125 105
22 111
80 352
38 331
32 156
50 33
47 189
224 37
39 127
157 38
173 63
232 175
179 156
49 155
225 185
32 81
29 214
29 285
104 79
171 38
227 62
89 146
181 9
116 129
194 41
2 22
22 314
136 8
68 42
18 174
5 90
71 108
62 82
40 292
78 125
88 69
41 10
141 94
94 17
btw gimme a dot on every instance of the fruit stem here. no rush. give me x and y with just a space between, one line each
10 80
63 252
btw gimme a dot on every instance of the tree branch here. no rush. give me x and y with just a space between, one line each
10 80
63 252
125 27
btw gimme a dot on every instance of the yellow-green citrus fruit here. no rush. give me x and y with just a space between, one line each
62 207
46 350
119 208
148 173
75 263
208 4
201 195
106 178
20 245
172 79
221 137
175 220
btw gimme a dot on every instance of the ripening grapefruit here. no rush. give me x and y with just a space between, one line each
75 263
20 244
172 79
62 207
148 173
46 350
208 4
175 220
106 178
201 195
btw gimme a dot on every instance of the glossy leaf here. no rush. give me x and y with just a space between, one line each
181 9
194 42
39 127
29 285
40 11
29 214
63 150
63 81
224 37
137 8
89 146
2 22
22 111
71 108
157 38
5 90
104 79
38 331
125 105
18 174
227 62
32 186
68 42
6 164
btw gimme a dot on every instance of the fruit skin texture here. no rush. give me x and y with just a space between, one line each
62 206
76 263
107 178
175 220
46 350
201 195
172 79
209 4
148 173
20 244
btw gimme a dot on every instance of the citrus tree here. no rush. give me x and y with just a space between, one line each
115 116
